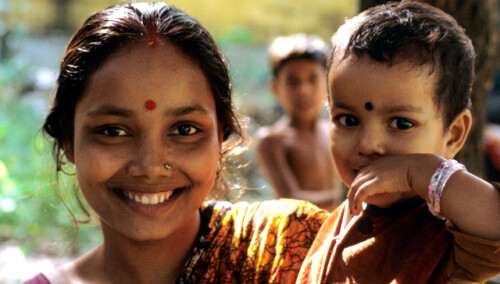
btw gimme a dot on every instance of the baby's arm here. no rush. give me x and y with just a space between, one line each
271 154
470 203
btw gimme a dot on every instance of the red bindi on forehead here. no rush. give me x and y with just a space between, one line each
153 35
150 105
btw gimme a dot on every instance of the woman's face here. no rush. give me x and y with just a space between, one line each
143 108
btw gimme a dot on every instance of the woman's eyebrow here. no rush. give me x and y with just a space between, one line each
180 111
110 110
105 110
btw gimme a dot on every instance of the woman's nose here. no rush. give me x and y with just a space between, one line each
371 142
150 159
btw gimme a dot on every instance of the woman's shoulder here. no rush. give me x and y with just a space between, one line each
69 272
282 216
247 238
284 207
40 278
59 275
266 209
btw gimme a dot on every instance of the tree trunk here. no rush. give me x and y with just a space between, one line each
479 18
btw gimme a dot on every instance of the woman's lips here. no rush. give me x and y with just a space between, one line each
148 198
146 194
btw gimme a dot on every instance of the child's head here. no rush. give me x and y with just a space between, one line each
418 33
298 64
399 81
297 46
106 32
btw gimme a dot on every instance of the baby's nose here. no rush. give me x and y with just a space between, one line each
371 142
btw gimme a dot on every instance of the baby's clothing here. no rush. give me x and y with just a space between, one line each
250 243
403 244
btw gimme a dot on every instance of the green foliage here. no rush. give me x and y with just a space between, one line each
259 19
12 71
236 34
30 207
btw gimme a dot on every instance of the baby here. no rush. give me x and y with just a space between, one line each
399 81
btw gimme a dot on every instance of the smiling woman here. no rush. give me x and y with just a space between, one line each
143 110
120 148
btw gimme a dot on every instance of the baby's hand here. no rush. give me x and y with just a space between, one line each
383 182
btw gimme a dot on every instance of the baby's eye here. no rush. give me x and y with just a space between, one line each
347 120
112 131
185 130
400 123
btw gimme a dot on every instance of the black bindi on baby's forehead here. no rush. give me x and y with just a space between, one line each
368 106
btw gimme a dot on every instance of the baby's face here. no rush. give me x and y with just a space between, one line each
301 87
146 107
378 110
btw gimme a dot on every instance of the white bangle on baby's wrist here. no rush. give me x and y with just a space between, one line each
437 184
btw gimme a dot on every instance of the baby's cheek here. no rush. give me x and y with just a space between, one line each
341 164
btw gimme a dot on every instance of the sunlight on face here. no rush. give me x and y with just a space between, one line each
122 142
402 117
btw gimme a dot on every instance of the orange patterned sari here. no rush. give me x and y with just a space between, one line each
252 243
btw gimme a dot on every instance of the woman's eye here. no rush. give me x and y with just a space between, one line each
185 130
113 131
401 123
347 120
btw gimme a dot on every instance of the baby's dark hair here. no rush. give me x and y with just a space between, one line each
121 25
297 46
416 32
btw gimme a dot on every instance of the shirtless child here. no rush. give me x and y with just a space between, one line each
294 153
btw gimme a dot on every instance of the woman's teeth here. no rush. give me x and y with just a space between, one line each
149 198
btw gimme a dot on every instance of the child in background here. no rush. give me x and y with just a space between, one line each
293 153
143 110
399 82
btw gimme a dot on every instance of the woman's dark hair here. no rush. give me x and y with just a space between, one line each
419 33
105 32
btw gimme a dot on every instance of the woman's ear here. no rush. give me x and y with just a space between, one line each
457 133
68 152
